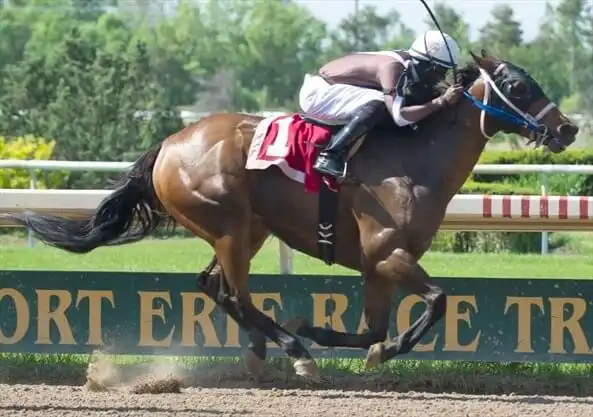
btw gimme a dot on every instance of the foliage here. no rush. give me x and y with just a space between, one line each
263 48
482 242
87 97
471 187
486 242
80 74
26 148
512 184
537 156
563 184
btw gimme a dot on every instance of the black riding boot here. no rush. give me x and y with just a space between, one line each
331 159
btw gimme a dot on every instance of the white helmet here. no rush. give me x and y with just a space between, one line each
432 45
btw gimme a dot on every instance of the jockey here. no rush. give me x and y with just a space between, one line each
357 89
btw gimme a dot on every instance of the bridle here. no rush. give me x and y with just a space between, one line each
538 131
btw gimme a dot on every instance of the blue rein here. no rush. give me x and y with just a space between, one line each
501 114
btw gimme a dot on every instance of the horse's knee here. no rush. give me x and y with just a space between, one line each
398 263
438 303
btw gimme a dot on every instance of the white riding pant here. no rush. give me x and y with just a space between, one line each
333 103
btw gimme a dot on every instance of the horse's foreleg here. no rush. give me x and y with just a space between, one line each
401 266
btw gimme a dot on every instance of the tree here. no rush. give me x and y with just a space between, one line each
179 52
585 74
224 55
96 105
569 18
368 31
502 32
15 32
451 23
271 50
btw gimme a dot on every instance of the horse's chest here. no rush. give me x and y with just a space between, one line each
412 208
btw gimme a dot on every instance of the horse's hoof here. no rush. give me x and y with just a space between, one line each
293 325
307 368
254 365
374 356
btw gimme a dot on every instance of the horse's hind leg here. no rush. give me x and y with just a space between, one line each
378 296
234 254
256 349
214 284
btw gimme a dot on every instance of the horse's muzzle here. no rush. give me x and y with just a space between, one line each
558 140
568 130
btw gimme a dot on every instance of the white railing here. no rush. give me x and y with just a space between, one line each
490 169
285 251
464 212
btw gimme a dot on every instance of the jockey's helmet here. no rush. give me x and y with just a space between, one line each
431 46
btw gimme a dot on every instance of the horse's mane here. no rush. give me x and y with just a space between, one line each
422 93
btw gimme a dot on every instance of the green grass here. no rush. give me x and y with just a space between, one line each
192 255
400 375
577 243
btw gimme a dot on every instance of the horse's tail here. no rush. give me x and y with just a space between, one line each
128 215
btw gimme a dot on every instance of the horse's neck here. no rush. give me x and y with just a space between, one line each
464 145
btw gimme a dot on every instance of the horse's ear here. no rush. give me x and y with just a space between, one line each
483 52
478 60
482 61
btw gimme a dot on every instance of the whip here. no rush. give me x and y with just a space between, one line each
434 19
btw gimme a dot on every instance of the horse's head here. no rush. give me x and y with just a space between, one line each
516 103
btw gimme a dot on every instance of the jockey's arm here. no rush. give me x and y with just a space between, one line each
391 77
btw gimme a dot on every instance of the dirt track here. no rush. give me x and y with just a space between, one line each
44 400
166 390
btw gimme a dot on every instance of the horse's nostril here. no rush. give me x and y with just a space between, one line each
568 129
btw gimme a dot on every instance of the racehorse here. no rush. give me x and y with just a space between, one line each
402 182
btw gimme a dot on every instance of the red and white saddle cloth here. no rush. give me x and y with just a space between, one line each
292 144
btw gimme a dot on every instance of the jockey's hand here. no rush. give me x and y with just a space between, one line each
452 95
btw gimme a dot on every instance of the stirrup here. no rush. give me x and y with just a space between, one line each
341 177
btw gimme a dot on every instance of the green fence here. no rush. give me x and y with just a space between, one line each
488 319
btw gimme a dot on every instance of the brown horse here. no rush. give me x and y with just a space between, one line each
388 217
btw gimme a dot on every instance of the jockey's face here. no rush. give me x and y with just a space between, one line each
430 74
440 72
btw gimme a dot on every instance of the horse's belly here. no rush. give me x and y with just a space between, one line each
286 209
291 214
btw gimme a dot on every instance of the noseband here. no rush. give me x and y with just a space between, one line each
538 131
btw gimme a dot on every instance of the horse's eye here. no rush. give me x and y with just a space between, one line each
518 88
